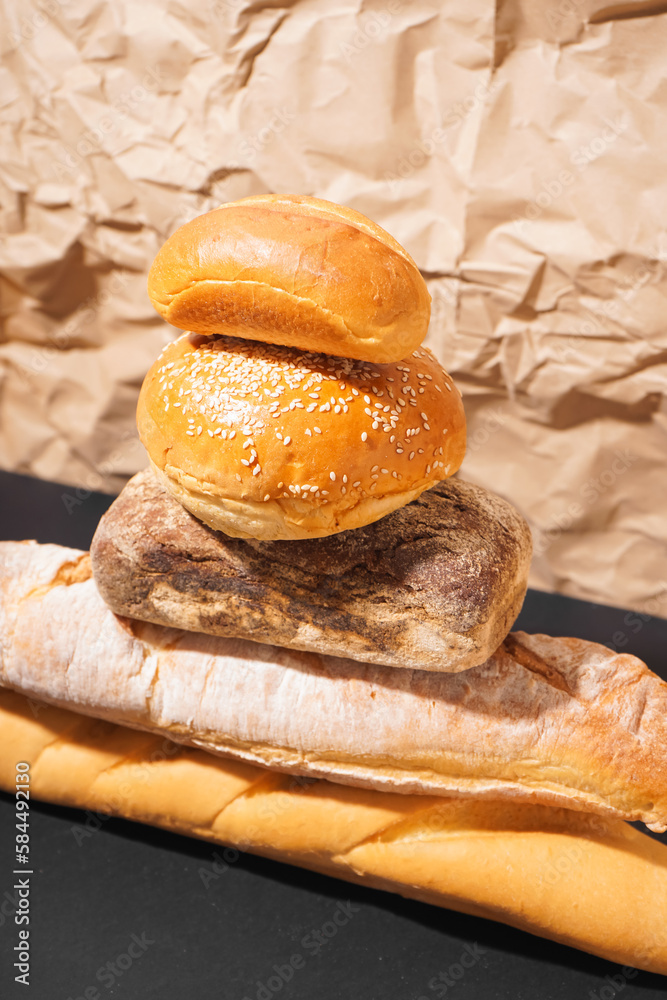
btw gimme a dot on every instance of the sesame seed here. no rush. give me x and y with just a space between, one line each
244 461
287 440
317 430
448 386
364 435
309 433
344 479
411 455
358 483
267 497
367 399
332 477
238 477
385 471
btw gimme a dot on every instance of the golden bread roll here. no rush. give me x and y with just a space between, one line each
297 271
560 722
592 883
269 442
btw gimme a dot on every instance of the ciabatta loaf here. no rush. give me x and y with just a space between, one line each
435 585
590 882
557 721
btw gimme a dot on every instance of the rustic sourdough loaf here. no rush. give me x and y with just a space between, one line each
435 585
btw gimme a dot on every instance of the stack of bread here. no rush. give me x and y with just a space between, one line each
298 594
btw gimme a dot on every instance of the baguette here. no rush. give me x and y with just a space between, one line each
435 585
589 882
561 722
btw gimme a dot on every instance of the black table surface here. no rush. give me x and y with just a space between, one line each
123 910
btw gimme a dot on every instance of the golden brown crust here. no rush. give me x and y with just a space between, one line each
297 271
269 442
591 883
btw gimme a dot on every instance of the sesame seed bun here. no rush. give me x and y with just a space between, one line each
268 442
296 271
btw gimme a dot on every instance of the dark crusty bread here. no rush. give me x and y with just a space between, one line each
435 585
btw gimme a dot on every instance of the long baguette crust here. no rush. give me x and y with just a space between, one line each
435 585
561 722
591 883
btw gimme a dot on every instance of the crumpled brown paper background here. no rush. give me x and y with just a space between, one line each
518 150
